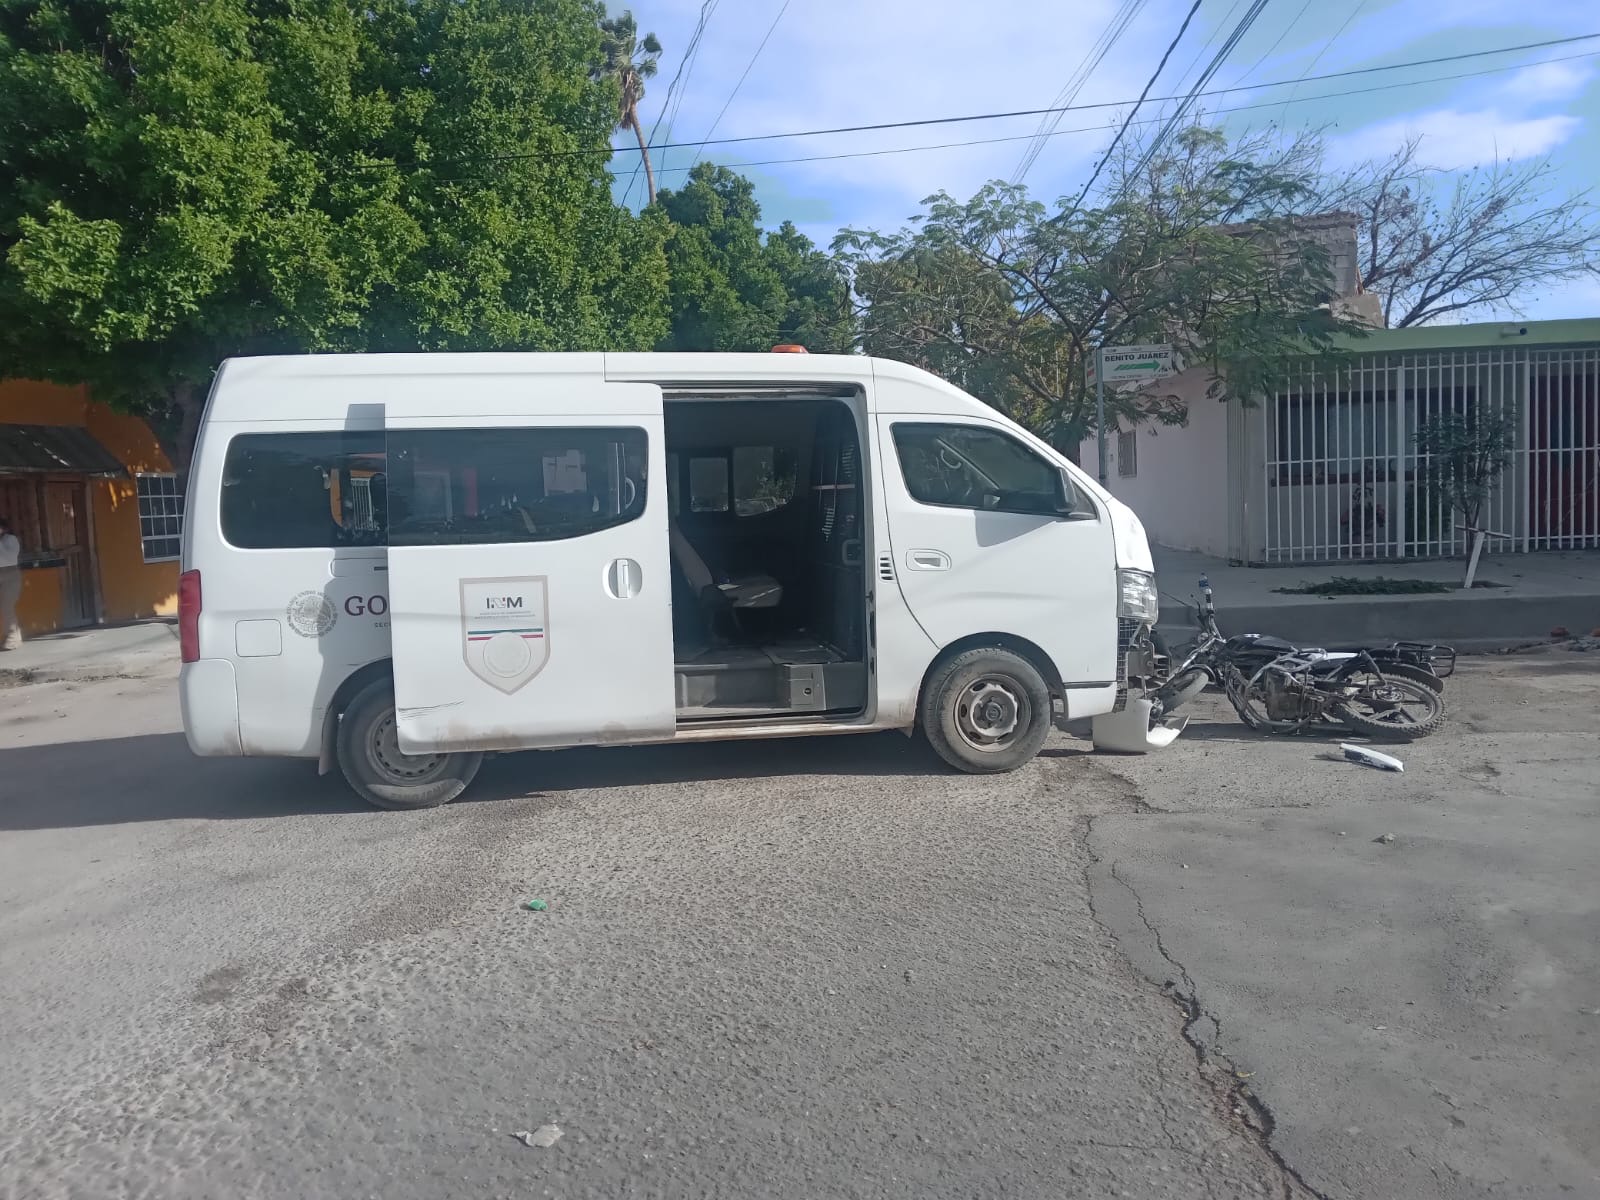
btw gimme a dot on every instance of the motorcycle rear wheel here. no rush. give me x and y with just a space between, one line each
1393 708
1396 670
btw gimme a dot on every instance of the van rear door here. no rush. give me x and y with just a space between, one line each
529 570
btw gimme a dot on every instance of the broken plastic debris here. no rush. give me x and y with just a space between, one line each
535 905
1370 758
1386 839
543 1137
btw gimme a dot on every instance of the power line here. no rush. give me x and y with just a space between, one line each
1031 112
747 67
1256 66
688 73
1206 45
1034 112
1114 30
1180 114
694 42
1023 137
1126 121
1337 34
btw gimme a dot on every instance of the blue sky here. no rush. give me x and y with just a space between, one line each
851 62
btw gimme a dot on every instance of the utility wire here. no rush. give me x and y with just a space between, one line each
1114 30
1180 114
1337 34
1256 66
1106 128
1034 112
672 88
746 74
1206 45
1128 120
688 73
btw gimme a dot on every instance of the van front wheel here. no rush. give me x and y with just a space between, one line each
986 710
374 765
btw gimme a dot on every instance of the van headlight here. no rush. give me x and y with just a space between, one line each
1136 597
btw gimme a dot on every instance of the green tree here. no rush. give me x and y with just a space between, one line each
630 61
193 179
733 288
1195 246
1463 455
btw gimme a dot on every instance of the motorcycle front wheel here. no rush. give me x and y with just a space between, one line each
1390 707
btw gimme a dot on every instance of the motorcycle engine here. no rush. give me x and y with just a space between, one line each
1286 700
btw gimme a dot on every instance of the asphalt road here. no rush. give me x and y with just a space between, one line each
820 968
1420 1016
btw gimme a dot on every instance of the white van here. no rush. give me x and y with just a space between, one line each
401 562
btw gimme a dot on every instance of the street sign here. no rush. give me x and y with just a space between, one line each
1133 364
1122 364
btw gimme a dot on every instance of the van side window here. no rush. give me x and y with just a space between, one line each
283 491
763 479
451 487
966 466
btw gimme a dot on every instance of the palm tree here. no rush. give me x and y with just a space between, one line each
630 62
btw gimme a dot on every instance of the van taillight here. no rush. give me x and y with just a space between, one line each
189 616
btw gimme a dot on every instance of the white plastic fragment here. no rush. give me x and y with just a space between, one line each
1370 758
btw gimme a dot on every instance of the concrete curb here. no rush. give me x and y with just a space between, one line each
1477 622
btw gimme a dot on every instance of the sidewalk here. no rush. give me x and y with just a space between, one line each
144 648
1542 591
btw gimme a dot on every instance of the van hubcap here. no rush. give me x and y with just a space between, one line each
991 711
383 748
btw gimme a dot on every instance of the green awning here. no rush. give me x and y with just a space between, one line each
52 449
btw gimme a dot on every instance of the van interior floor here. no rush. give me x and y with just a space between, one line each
790 675
775 652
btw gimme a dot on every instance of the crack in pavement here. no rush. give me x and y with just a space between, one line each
1214 1068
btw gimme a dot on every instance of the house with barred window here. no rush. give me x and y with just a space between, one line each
95 504
1327 468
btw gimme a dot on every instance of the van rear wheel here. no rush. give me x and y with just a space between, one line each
381 774
986 710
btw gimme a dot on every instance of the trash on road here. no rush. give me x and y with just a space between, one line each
535 905
1386 839
543 1137
1370 758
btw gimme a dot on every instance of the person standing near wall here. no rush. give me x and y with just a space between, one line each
10 587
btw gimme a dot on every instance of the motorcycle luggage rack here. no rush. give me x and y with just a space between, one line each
1441 659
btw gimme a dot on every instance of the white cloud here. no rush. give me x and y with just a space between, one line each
1547 83
1453 139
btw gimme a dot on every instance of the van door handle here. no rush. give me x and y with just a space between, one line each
927 560
624 578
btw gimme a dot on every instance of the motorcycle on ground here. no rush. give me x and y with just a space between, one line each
1394 692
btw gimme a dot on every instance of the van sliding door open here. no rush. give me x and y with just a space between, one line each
528 568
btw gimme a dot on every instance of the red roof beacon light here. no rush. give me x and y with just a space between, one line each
790 349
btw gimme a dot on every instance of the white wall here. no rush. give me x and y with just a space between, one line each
1180 488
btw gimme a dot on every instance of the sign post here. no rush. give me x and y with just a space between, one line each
1125 364
1100 408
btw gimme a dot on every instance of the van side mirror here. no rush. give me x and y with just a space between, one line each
1070 502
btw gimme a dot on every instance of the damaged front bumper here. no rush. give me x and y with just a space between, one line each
1139 723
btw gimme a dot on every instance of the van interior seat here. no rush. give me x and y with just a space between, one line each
745 590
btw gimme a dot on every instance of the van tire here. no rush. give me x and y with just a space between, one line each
372 763
986 710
